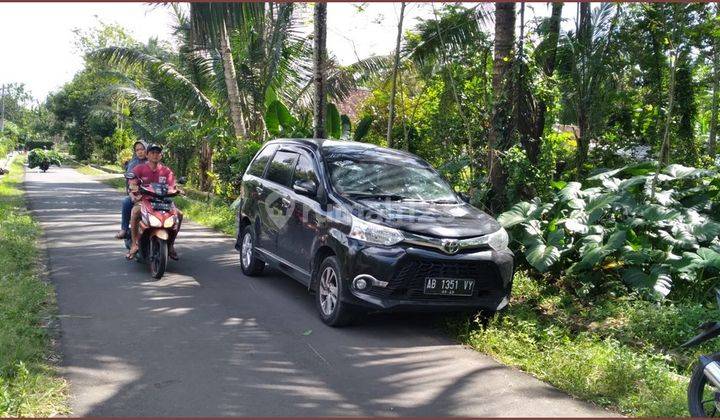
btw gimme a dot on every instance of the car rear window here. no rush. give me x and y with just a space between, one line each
281 167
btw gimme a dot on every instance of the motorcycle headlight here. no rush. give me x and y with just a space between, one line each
169 222
154 221
497 240
374 233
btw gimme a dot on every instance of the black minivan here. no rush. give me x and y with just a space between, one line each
368 228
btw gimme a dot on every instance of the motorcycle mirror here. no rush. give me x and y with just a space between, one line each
129 175
182 180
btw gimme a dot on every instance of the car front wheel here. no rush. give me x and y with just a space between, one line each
333 311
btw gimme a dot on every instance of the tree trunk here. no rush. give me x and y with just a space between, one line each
319 70
548 67
583 107
498 136
396 66
712 136
236 114
206 165
664 158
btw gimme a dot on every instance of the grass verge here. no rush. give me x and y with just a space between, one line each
619 353
28 384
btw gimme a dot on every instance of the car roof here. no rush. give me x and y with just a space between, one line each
350 148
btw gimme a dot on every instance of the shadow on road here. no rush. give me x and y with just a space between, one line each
207 341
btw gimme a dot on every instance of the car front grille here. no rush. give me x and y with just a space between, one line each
409 279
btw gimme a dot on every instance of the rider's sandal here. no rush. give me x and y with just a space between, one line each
173 255
131 255
121 235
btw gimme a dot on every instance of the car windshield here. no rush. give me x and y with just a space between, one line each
388 180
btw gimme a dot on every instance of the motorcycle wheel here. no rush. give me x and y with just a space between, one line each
158 257
703 397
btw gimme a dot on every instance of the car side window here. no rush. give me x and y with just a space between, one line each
305 170
281 167
257 167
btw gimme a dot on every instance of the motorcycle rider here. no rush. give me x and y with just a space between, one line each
148 173
139 149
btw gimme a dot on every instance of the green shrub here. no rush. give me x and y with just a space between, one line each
230 167
629 226
527 180
38 157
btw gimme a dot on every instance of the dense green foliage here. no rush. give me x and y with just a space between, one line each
631 224
28 386
39 157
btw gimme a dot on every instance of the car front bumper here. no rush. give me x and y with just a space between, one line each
401 272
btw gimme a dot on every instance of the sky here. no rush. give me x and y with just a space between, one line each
37 39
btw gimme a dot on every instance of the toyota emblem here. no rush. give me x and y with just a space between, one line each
451 246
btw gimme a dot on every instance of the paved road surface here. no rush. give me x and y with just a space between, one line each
207 341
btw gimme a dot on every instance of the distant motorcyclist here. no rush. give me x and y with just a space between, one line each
148 173
139 157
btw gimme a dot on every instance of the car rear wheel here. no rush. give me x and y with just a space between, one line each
249 262
328 299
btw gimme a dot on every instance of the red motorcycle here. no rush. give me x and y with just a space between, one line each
159 224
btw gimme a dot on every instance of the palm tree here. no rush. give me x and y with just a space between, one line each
319 69
500 135
396 67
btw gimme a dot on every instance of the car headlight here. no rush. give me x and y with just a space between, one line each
497 240
154 221
374 233
169 222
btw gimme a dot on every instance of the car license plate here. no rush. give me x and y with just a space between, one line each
447 286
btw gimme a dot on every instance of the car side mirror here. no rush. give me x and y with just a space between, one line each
182 180
305 187
129 175
464 197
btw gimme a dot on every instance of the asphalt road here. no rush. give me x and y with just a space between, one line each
208 341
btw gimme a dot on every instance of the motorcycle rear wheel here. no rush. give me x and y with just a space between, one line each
158 257
701 393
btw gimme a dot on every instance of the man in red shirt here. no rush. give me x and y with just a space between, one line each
148 173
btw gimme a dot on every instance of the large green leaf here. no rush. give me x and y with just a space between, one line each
679 171
659 281
654 213
363 127
703 258
542 256
571 190
519 213
278 118
706 232
333 125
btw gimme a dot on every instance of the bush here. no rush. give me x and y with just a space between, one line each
627 228
230 167
40 158
527 180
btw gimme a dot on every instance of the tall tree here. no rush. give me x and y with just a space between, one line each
396 68
211 24
547 54
715 59
500 135
320 70
584 37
